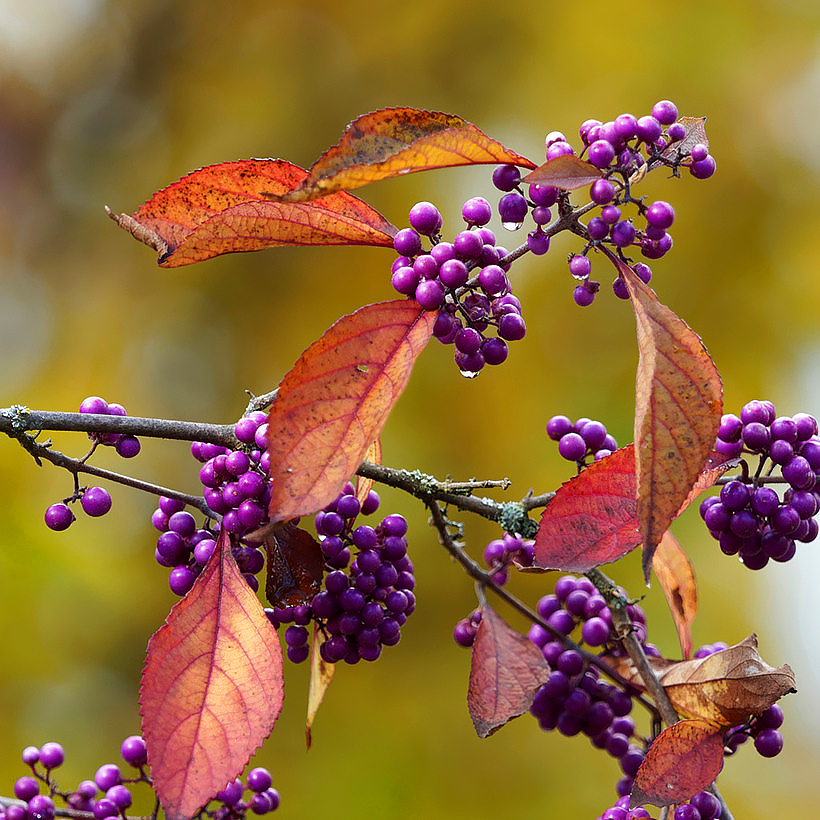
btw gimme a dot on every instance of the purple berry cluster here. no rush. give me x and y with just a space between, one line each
109 793
574 699
464 280
702 806
749 519
236 487
501 553
363 602
127 446
95 501
581 439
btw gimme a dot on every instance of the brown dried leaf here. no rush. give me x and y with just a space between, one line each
374 456
677 579
295 565
727 687
506 671
321 674
566 172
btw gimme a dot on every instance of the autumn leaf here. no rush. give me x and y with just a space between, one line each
678 406
682 761
334 402
694 132
397 141
321 674
592 519
211 688
506 671
224 209
727 687
365 485
677 580
295 565
566 172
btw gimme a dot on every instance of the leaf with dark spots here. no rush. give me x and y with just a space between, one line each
397 141
295 566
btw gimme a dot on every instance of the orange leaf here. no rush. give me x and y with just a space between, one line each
682 761
365 485
211 687
224 209
567 172
396 141
295 566
334 402
506 671
321 674
677 579
677 413
727 687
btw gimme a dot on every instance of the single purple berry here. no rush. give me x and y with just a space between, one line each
453 273
506 177
59 517
769 742
407 242
26 787
40 807
665 112
559 426
493 280
512 209
511 326
601 153
108 775
572 447
580 266
468 245
95 405
601 191
430 294
703 169
648 129
133 751
180 580
477 211
405 281
96 501
426 219
583 296
623 234
128 446
597 228
543 196
538 242
120 796
660 214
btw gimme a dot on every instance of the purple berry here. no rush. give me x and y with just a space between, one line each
538 242
59 517
572 447
597 228
26 787
665 112
426 219
512 209
703 169
769 742
108 775
660 214
430 294
133 751
601 153
453 273
623 234
583 296
580 266
648 129
407 242
96 501
95 405
180 580
601 191
506 177
476 211
128 446
511 327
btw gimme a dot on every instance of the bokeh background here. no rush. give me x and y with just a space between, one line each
105 102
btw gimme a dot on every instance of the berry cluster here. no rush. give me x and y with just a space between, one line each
364 603
236 487
463 280
109 794
127 446
581 439
702 806
95 501
574 699
748 518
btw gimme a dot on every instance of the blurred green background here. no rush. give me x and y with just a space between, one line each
105 102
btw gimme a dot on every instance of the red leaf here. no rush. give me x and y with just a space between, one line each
683 760
593 517
225 208
334 402
677 579
211 687
396 141
567 172
677 413
506 671
295 566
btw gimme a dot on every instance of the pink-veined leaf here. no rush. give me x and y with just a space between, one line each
334 402
223 208
678 405
506 671
593 517
566 172
397 141
212 687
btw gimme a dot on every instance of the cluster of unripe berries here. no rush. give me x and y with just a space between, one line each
108 794
581 439
463 281
365 599
236 487
749 519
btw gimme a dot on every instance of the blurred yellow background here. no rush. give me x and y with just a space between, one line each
102 103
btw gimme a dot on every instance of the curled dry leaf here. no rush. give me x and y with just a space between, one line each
225 208
334 402
727 687
321 674
506 671
397 141
593 518
374 456
212 687
677 580
695 132
678 405
566 172
682 761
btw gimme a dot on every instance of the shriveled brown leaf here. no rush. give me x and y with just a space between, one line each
321 674
295 565
677 580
